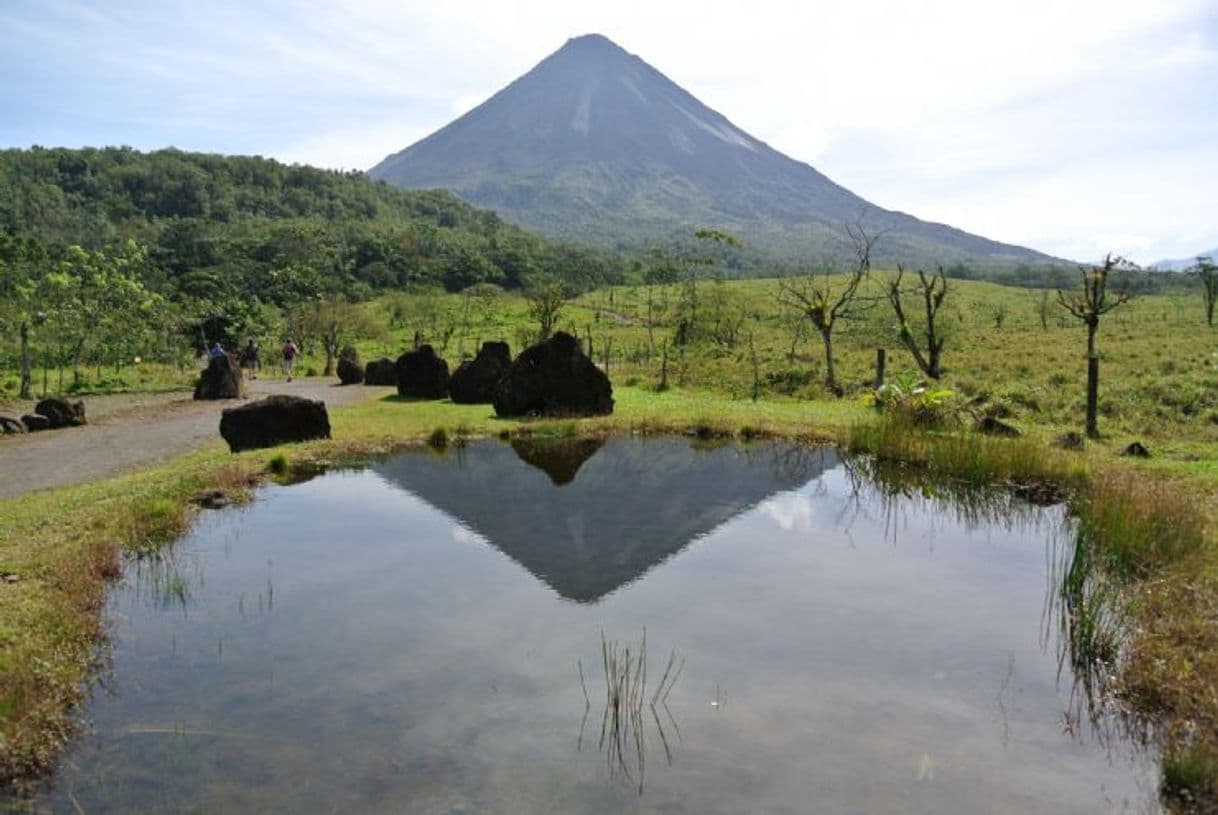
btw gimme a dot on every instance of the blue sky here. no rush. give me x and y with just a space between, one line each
1075 127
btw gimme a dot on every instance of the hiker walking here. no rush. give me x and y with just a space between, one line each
249 358
290 352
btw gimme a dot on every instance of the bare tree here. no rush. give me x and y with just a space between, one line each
823 301
1042 309
688 327
1088 306
932 290
1207 272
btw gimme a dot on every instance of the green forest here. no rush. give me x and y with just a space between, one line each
109 253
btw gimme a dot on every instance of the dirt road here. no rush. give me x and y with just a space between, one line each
126 432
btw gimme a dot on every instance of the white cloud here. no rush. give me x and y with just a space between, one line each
791 512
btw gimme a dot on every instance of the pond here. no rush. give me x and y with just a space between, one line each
461 633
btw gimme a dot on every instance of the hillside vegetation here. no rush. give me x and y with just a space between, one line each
109 254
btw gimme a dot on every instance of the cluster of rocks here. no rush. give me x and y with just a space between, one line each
49 414
552 378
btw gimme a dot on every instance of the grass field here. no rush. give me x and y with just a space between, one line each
1159 361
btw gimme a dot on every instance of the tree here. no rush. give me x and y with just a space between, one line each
333 321
1088 306
932 291
691 272
1207 272
824 301
92 292
19 305
546 297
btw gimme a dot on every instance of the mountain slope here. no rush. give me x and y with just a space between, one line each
596 145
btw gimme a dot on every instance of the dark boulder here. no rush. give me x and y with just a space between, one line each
35 421
221 379
993 426
274 420
350 372
474 381
1136 449
61 412
554 377
10 425
422 374
381 371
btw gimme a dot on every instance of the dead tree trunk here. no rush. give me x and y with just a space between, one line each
27 363
932 290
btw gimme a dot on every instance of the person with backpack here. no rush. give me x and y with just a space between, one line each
249 358
290 352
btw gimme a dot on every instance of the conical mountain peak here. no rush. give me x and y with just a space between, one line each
595 145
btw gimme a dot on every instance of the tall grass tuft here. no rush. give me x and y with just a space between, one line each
278 464
969 457
438 440
1139 525
1190 776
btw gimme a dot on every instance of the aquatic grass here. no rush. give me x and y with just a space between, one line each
1140 525
623 734
1087 616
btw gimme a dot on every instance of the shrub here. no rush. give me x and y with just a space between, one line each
909 400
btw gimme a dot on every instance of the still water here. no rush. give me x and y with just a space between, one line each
430 634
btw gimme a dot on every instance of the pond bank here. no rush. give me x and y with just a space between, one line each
59 549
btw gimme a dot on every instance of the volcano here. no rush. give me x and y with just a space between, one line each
596 146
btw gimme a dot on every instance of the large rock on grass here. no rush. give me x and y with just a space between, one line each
61 413
350 372
381 371
474 381
554 378
274 420
221 379
422 374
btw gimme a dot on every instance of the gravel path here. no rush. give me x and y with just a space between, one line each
130 431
